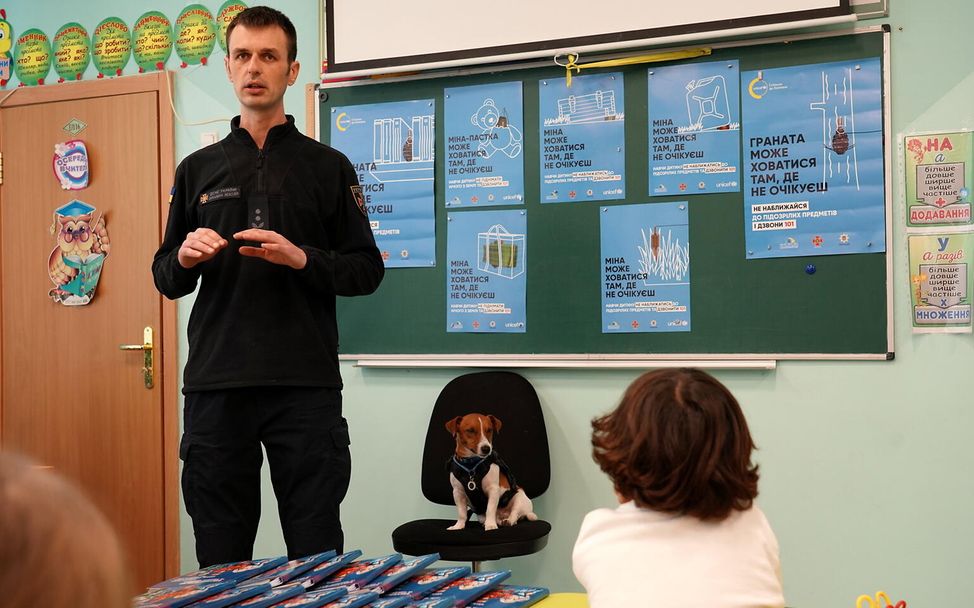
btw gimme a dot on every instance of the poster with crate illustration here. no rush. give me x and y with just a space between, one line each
645 268
486 282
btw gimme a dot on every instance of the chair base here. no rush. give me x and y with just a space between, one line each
473 543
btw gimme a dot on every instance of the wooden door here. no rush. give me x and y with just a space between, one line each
71 398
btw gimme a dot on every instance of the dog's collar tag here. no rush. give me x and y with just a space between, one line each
471 485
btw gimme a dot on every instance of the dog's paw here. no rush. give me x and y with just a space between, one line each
460 525
490 525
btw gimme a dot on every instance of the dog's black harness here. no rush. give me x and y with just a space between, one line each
471 472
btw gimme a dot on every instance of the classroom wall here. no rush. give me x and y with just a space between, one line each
865 468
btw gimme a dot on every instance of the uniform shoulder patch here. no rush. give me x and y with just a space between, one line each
359 199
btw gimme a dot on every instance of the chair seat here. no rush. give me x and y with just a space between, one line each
473 543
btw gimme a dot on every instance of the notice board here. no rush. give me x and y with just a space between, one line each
831 306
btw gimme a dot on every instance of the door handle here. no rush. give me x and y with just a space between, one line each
146 348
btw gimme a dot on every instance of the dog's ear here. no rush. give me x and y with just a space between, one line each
453 424
494 420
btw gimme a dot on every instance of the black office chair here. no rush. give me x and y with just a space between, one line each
523 444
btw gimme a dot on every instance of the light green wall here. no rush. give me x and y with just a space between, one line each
865 466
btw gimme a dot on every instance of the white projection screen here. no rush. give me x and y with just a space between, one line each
376 36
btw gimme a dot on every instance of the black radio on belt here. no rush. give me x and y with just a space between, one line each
258 215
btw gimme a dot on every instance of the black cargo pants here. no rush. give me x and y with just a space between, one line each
306 439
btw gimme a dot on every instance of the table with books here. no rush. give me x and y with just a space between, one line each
330 580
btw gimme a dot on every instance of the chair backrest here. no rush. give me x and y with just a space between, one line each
522 441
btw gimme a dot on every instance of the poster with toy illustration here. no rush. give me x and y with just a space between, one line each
814 179
645 268
484 145
486 279
583 151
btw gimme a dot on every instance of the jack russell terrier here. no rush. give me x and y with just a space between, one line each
481 481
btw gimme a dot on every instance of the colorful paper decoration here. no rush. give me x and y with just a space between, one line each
111 46
32 57
71 164
195 35
6 43
76 261
72 51
152 41
229 10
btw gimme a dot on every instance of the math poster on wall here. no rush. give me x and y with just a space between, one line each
939 176
813 173
486 278
694 128
484 145
392 147
583 154
645 268
941 282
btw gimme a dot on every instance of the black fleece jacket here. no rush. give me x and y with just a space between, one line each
255 323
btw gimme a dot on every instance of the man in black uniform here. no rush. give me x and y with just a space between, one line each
273 225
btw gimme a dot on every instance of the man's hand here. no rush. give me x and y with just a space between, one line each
199 246
274 248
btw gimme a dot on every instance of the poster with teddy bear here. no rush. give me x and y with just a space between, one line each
484 141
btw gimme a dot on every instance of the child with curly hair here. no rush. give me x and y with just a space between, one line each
687 532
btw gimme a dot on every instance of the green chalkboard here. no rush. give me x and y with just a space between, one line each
740 308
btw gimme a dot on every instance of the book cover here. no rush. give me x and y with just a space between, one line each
270 598
441 602
176 597
511 596
389 602
235 572
293 569
398 573
313 599
233 595
359 574
466 589
355 599
325 569
428 581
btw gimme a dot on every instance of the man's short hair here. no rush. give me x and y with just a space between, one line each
265 16
678 443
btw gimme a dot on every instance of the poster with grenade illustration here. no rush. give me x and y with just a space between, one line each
814 168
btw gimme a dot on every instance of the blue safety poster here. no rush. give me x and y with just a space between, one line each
645 268
813 154
486 278
583 154
392 147
484 145
694 128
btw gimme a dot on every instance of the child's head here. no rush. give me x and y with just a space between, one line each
56 548
678 443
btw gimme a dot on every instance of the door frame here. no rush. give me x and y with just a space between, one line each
159 83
